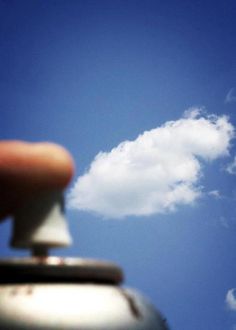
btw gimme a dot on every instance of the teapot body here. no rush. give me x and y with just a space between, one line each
79 294
75 306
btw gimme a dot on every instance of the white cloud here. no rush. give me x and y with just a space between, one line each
231 168
154 173
194 112
215 193
231 299
231 96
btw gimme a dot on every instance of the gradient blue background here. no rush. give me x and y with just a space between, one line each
90 74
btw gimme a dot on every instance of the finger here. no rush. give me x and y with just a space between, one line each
26 168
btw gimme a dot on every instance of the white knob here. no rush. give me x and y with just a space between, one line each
40 223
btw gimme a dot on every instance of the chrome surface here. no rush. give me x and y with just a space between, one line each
55 293
76 306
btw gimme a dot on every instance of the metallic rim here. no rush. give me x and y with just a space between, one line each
57 269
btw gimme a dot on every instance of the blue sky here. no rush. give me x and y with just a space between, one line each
93 74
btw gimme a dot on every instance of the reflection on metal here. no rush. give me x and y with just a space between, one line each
57 293
132 304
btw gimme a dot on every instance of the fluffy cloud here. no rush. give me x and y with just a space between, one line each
231 168
154 173
231 299
215 193
231 96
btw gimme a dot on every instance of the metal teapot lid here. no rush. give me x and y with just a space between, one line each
40 225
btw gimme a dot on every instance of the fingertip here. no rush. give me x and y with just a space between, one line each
57 161
27 169
35 165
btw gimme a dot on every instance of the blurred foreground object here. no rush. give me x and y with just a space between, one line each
26 169
42 292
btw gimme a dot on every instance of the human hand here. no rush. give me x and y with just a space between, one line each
29 168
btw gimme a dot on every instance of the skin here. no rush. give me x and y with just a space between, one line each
29 168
